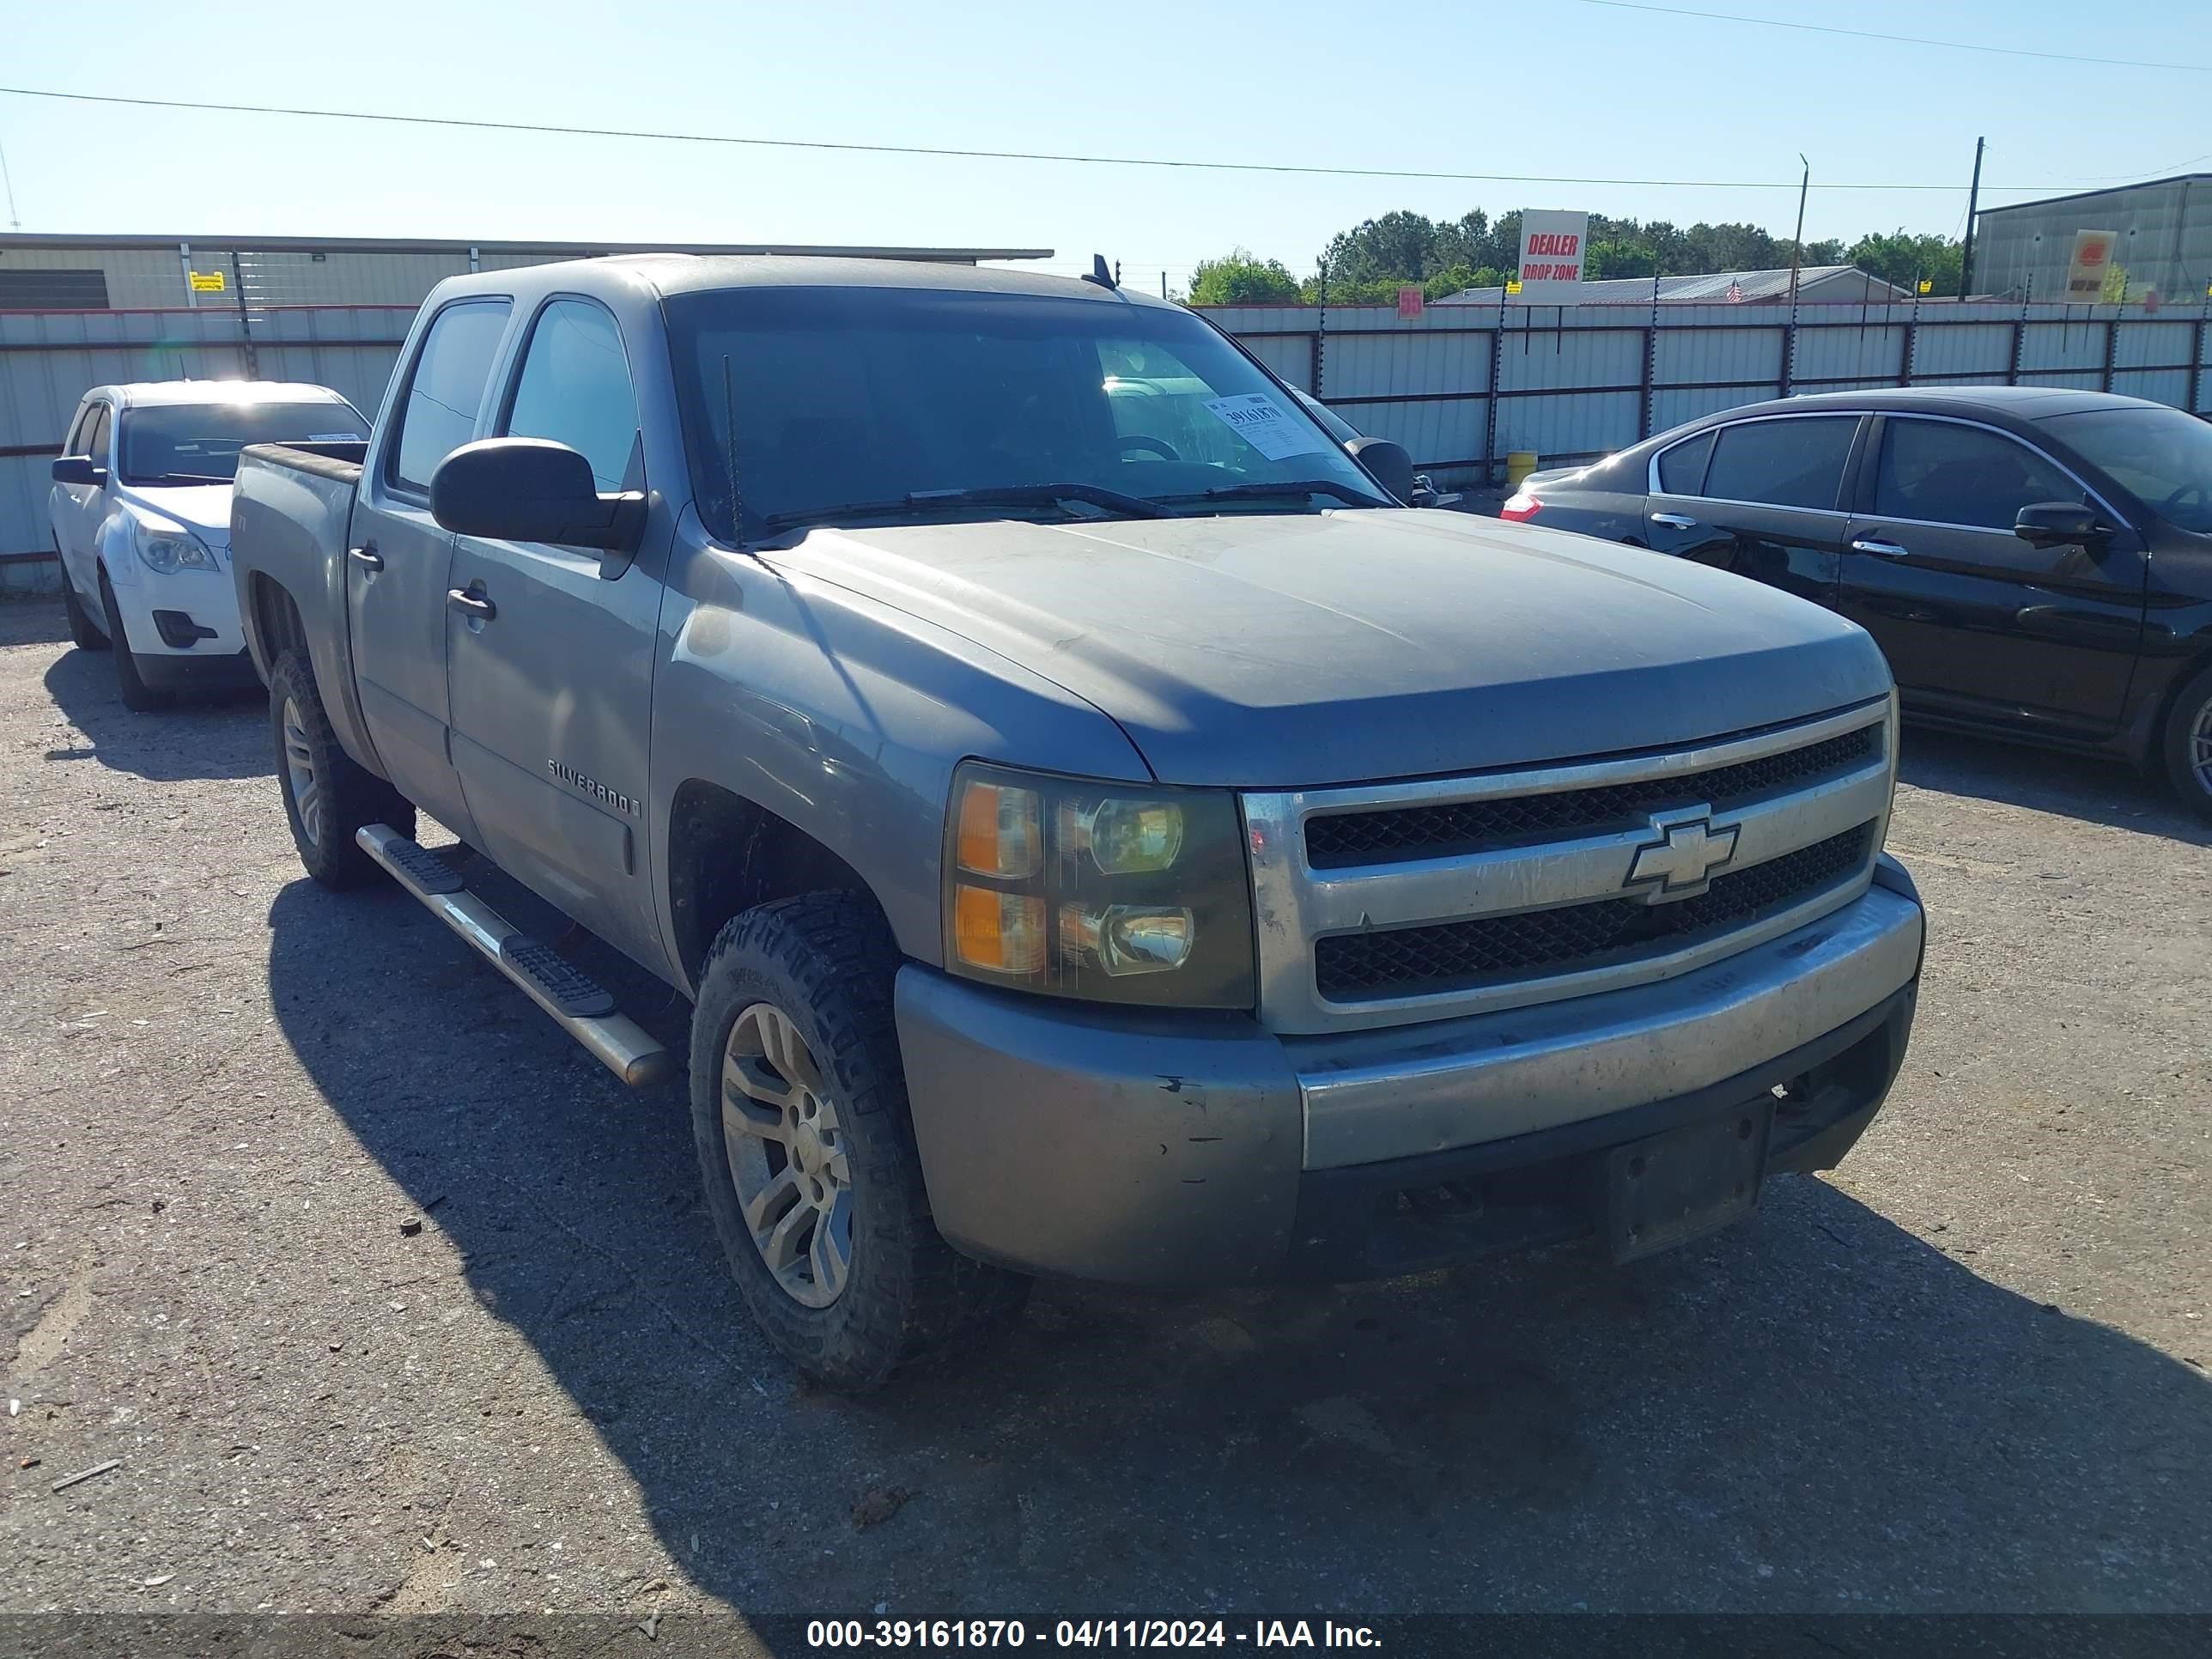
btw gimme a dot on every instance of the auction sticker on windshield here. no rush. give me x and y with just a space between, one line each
1265 425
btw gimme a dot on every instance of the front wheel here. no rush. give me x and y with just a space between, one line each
137 697
328 795
2188 743
799 1111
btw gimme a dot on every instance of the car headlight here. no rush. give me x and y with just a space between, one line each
1118 892
164 548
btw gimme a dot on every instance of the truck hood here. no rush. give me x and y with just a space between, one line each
1288 651
203 509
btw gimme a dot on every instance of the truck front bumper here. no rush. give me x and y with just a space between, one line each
1138 1148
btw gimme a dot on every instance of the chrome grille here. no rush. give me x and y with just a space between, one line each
1416 832
1379 904
1454 956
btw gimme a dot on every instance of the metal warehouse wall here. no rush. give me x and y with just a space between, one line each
2165 231
48 360
1462 388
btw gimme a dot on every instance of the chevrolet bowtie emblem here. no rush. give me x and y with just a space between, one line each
1682 860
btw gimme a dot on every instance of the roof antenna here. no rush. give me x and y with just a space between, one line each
1101 276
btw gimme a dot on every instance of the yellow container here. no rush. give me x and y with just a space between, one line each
1519 464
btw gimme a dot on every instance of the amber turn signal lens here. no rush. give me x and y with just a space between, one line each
997 834
1002 932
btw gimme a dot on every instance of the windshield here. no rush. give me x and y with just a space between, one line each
2161 457
199 443
851 402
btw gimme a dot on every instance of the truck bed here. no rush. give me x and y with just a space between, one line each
290 511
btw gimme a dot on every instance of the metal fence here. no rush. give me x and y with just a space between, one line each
1462 388
48 359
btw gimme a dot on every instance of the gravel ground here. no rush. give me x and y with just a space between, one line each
1965 1372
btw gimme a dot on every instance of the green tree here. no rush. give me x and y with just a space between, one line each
1241 278
1901 258
1617 256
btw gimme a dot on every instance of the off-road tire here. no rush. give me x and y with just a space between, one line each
827 960
350 794
84 633
2184 769
137 697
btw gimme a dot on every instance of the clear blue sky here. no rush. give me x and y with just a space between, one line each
1560 88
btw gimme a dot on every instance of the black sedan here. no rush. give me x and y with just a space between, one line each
2036 563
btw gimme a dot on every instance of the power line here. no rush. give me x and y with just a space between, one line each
1900 39
930 150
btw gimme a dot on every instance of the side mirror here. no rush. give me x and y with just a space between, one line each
531 490
1392 466
2058 524
80 470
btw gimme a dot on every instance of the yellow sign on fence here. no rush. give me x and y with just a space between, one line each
1927 285
1513 285
206 282
2114 290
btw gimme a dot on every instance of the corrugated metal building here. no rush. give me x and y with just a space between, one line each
2164 230
1816 285
131 273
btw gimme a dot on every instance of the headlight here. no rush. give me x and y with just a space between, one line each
173 548
1113 892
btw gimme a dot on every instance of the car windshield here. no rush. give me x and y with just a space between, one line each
887 405
2161 457
199 443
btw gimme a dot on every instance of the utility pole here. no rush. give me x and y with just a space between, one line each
1973 202
1797 244
14 222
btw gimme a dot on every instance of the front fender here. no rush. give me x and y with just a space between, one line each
845 717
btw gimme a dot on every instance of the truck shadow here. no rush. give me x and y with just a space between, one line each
220 735
1816 1410
2044 780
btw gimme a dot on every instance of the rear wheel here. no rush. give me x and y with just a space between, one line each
137 694
2189 744
798 1110
328 795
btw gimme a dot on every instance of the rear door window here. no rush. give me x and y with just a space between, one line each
439 413
1941 473
1796 461
1682 469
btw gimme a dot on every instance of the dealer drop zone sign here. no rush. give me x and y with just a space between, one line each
1551 244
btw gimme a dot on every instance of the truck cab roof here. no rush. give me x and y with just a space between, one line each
663 274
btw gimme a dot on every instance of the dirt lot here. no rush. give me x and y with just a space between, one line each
1967 1372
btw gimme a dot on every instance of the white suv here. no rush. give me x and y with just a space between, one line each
141 508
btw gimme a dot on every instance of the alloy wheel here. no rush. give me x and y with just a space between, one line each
2200 748
787 1156
300 771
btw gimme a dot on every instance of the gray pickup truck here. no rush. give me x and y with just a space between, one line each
1100 834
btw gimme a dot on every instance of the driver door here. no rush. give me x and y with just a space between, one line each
550 656
1976 623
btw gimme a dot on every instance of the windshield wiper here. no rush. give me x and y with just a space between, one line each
1295 489
922 501
182 478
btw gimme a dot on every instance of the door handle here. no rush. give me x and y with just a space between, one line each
368 554
1887 550
1674 521
472 601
